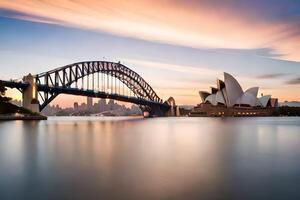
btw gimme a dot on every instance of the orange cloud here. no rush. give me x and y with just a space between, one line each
164 21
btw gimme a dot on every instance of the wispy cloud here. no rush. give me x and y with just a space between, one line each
172 67
295 81
198 25
26 16
271 76
263 52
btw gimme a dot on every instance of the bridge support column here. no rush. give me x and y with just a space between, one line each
152 111
173 110
160 111
29 94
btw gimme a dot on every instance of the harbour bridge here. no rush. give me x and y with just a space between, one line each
99 79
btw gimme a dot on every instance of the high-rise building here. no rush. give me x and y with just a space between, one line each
102 105
83 106
76 106
111 104
89 103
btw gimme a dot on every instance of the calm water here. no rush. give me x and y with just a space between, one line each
160 158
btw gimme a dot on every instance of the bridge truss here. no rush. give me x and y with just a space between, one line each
96 79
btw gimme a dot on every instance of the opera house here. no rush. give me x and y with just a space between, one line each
229 99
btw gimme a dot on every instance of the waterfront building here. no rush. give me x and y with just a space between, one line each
229 99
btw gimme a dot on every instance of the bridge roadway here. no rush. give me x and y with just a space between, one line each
14 84
86 93
99 94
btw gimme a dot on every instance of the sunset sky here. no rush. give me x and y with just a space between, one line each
178 46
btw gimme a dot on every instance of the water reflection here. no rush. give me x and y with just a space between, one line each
160 158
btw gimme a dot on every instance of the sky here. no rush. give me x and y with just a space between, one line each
178 46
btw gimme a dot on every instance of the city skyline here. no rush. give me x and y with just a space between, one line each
179 50
108 107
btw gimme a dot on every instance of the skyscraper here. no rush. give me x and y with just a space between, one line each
76 106
111 104
89 103
102 105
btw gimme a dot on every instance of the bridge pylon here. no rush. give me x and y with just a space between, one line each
173 110
29 94
169 110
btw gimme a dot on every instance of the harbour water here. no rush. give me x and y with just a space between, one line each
158 158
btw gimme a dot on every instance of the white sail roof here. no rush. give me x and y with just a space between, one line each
264 100
247 99
233 88
225 95
211 99
231 93
253 91
220 98
203 95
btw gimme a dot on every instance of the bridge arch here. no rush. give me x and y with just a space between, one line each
56 81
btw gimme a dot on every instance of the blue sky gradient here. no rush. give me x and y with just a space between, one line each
172 69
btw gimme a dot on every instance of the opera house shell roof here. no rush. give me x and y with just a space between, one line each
230 93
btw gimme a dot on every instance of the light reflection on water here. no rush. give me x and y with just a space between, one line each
159 158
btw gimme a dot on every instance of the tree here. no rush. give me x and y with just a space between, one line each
3 99
6 107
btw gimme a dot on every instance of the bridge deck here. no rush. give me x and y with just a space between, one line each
14 84
99 94
87 93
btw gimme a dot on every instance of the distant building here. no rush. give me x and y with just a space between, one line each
82 106
111 104
102 105
99 109
89 103
229 99
76 106
290 103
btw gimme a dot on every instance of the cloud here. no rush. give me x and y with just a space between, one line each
271 76
195 24
27 17
263 52
171 67
295 81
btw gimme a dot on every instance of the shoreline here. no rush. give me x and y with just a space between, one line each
22 117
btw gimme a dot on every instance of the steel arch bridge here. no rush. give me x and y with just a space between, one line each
100 79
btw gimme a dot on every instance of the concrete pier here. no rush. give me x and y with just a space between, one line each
29 97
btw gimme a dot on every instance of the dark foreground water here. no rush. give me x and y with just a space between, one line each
160 158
